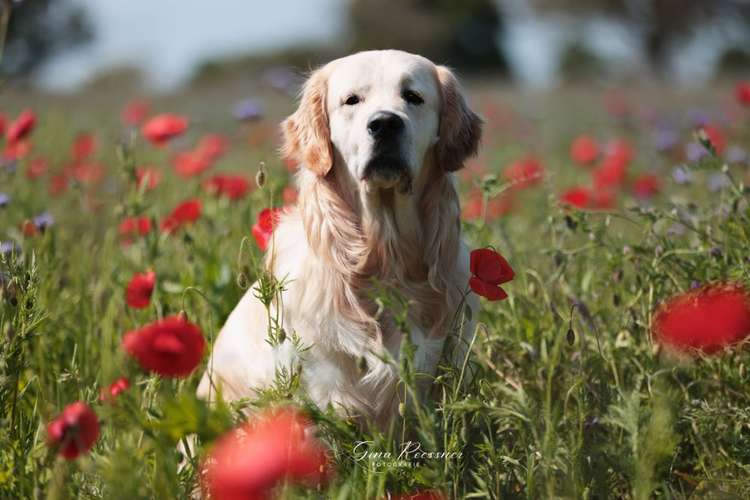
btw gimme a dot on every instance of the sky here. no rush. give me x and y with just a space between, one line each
166 39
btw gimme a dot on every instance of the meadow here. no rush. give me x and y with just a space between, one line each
573 397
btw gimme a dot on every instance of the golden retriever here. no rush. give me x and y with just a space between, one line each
377 135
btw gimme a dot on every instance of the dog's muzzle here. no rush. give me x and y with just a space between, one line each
387 167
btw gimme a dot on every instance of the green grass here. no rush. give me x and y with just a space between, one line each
571 398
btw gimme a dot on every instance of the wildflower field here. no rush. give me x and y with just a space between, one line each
615 367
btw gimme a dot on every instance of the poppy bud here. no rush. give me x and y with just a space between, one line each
401 409
282 335
242 280
362 365
571 336
182 315
260 177
572 225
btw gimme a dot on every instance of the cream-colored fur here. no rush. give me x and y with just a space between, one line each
347 232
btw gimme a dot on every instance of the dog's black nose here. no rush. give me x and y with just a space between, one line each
384 124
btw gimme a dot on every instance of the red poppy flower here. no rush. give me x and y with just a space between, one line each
496 207
289 195
717 138
135 111
579 197
249 461
704 320
161 128
263 228
147 178
189 164
171 347
87 173
212 147
139 289
134 226
37 168
524 173
646 185
186 212
58 184
114 389
489 270
84 146
17 150
234 187
584 150
74 431
742 93
21 127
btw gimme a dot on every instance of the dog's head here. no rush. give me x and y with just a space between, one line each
383 115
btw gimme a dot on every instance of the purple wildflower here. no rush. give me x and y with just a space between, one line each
665 139
699 117
4 200
695 152
717 181
43 221
736 154
248 110
7 247
682 175
281 78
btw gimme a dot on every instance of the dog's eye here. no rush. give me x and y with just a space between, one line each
412 97
352 100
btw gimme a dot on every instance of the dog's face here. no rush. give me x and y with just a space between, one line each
383 113
380 114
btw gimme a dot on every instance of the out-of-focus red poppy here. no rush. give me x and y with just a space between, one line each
234 187
171 347
584 150
496 207
489 270
74 431
37 167
58 184
147 178
717 137
705 320
28 228
189 164
186 212
646 186
290 164
265 225
135 111
212 147
131 227
742 93
524 173
289 195
161 128
578 196
114 389
275 447
17 150
21 127
139 289
84 145
87 173
3 124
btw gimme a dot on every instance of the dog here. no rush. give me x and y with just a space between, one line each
377 137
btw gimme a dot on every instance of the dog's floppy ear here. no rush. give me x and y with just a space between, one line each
460 128
307 138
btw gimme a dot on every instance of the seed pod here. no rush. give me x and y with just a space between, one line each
242 280
260 177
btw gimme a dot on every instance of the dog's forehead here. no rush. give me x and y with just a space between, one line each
381 69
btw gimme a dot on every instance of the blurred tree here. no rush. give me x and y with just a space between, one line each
460 34
38 29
